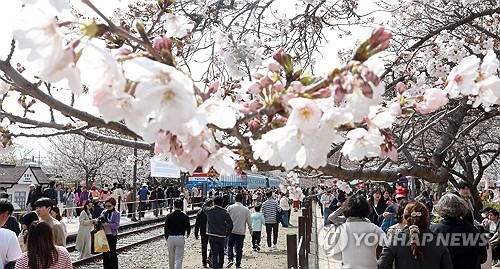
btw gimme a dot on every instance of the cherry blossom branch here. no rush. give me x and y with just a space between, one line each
420 132
120 32
451 26
26 87
12 48
88 134
483 117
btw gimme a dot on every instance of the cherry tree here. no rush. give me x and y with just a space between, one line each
257 102
76 159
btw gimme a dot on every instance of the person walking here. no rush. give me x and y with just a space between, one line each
42 252
285 210
257 221
176 227
60 197
43 208
83 237
408 248
241 217
143 196
130 203
219 226
30 201
200 228
69 201
326 200
271 209
120 196
9 248
110 221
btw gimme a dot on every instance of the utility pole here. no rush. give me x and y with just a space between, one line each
134 184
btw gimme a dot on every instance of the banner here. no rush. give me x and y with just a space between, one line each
161 168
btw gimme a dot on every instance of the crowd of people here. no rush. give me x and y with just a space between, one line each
223 221
38 240
411 233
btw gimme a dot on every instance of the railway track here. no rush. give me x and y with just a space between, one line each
128 240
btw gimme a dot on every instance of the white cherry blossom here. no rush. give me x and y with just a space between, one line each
362 143
163 90
433 100
461 78
490 64
305 114
64 68
177 25
488 92
223 161
40 34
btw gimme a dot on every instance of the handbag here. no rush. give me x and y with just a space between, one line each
99 242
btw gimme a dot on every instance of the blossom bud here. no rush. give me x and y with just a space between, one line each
338 93
296 86
380 38
322 93
285 60
162 43
94 29
214 87
121 51
395 109
401 87
273 66
280 119
278 87
254 125
254 105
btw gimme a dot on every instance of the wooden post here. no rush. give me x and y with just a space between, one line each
302 250
307 235
291 251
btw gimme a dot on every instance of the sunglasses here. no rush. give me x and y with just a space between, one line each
108 206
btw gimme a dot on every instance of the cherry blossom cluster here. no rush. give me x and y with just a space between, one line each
290 117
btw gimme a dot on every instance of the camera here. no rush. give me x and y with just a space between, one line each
102 219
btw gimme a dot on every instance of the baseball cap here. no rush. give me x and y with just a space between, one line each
400 192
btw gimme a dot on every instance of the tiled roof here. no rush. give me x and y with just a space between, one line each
10 174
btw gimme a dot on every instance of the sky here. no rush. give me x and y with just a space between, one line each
10 10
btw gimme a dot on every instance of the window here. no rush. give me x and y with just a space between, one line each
20 198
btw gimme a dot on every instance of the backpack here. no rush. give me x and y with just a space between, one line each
386 223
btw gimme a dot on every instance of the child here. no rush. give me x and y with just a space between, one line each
257 222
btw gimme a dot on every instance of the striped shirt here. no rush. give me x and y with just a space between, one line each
270 210
63 261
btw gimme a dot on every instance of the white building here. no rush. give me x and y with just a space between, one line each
17 179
